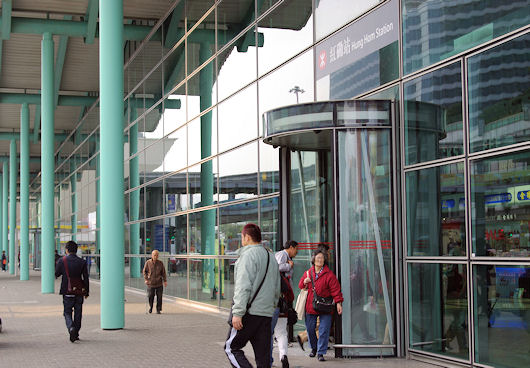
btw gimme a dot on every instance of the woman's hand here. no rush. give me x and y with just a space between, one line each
339 308
307 281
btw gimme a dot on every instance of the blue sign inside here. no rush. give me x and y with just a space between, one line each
498 198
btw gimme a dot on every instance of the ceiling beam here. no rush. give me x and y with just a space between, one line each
7 6
92 16
174 33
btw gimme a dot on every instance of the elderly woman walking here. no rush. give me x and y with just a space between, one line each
320 280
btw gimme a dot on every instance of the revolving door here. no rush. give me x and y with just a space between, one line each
337 184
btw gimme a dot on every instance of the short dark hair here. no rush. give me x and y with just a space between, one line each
323 246
71 246
253 231
318 251
290 244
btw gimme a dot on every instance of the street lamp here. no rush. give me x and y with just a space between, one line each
296 90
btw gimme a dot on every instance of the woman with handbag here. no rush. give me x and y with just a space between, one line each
323 297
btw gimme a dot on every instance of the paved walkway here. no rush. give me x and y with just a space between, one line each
34 334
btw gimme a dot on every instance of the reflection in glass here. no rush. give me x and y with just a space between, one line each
269 161
436 211
238 177
438 309
279 88
366 238
238 121
176 198
433 115
436 30
227 282
269 224
202 136
500 195
177 277
286 31
177 234
499 86
202 184
156 236
231 222
204 280
154 199
502 315
202 232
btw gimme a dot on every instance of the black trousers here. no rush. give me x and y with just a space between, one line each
257 330
74 303
151 294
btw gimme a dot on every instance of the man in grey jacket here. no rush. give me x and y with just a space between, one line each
253 305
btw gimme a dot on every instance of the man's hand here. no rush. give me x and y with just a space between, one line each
291 263
145 282
165 283
237 322
86 296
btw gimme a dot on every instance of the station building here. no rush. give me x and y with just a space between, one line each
397 132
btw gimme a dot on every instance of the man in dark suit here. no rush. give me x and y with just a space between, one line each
74 286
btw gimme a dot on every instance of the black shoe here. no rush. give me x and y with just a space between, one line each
158 312
285 362
300 342
151 310
313 353
73 334
321 358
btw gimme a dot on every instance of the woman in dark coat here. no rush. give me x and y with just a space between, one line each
326 285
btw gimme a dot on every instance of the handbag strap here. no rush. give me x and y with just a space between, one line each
313 283
262 281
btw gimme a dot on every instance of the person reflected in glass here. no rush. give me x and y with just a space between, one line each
326 285
456 293
363 301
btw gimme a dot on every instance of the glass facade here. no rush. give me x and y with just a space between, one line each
426 209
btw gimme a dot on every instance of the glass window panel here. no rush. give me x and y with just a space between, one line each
500 196
290 84
174 68
154 199
131 278
202 126
204 280
156 236
202 92
175 146
499 81
435 30
174 113
438 309
177 233
134 204
238 68
436 211
176 198
203 34
232 18
227 282
238 119
330 15
269 165
286 31
238 174
231 222
202 184
174 28
269 223
151 159
177 282
502 315
433 115
203 232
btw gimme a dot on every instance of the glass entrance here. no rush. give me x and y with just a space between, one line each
338 184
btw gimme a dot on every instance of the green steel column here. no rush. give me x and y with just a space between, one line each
24 192
5 171
47 166
73 197
98 211
2 249
12 205
111 179
207 217
134 205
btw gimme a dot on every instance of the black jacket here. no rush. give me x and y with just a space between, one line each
77 268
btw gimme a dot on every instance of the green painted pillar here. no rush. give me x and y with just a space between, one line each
5 230
73 197
47 166
111 152
207 217
24 192
57 199
12 205
2 249
98 212
134 204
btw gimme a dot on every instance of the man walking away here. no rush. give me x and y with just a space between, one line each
74 286
256 293
155 276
